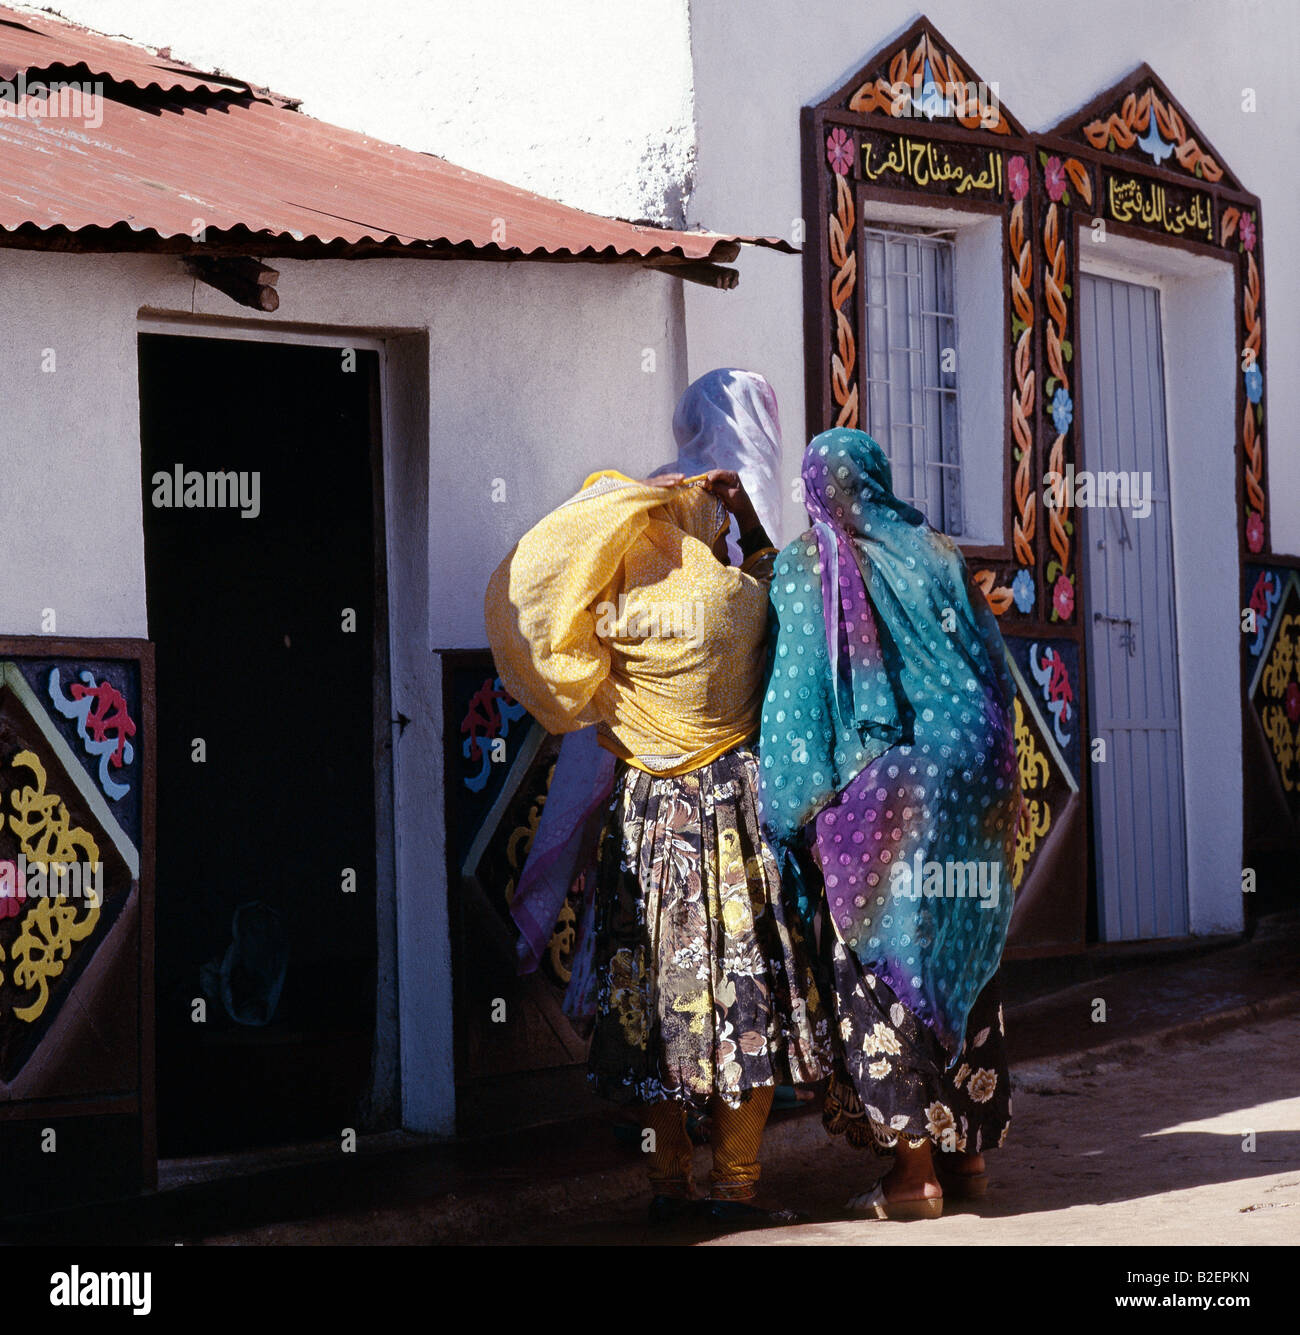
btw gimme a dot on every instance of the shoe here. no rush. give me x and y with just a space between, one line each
672 1209
742 1214
873 1204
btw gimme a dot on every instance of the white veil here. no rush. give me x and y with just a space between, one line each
728 419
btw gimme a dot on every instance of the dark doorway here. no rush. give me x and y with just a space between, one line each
258 656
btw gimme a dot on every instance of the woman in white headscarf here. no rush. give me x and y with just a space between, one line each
701 988
725 419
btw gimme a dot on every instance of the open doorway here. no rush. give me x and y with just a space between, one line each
266 601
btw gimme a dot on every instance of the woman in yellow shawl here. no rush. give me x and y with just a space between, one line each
619 610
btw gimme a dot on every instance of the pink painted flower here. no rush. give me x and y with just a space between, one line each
1254 531
13 893
1292 701
1247 230
1018 177
839 151
1054 173
1063 597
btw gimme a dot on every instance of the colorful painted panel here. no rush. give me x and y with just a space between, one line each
505 765
93 711
1048 870
75 908
915 162
1275 691
1147 128
1050 672
499 763
1262 588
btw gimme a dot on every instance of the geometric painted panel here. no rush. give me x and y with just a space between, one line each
1046 781
1261 592
1050 669
66 869
1275 690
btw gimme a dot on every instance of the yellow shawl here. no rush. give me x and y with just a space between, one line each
613 610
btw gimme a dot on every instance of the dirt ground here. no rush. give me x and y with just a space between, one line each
1151 1148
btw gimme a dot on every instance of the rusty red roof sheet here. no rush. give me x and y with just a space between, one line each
178 149
42 42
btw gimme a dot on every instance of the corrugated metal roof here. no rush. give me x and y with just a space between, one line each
42 42
202 151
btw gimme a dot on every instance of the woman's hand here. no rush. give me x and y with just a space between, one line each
728 488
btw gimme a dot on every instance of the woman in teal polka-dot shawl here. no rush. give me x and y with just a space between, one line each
888 760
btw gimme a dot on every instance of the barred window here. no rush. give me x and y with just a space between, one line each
910 367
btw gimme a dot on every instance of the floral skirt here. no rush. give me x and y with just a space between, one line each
704 983
891 1077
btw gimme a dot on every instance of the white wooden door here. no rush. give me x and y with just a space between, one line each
1138 834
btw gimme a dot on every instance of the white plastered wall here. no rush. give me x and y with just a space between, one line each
533 374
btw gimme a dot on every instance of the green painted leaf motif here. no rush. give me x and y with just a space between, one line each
1067 349
1050 387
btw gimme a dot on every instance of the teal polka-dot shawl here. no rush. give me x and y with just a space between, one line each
887 738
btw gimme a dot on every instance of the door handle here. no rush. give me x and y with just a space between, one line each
1127 640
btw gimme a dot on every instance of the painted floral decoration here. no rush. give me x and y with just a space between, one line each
1254 382
1018 177
1022 591
1254 531
1054 173
1063 597
13 897
1246 230
1062 410
839 151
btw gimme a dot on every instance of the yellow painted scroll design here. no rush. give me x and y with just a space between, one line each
45 833
1035 813
1280 674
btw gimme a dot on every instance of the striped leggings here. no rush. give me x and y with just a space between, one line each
736 1137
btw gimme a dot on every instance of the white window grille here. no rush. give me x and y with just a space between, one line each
910 367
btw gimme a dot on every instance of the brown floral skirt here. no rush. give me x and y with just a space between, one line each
704 983
891 1074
